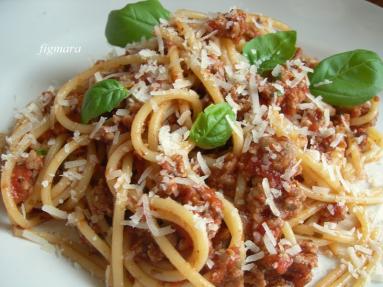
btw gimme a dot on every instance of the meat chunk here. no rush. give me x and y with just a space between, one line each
233 25
226 271
225 177
268 159
22 184
299 272
333 213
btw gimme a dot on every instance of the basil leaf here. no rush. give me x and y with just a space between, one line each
134 22
269 50
102 97
41 151
348 79
211 129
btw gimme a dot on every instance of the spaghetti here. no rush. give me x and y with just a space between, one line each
153 209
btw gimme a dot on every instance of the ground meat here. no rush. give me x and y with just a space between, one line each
291 201
255 277
333 213
233 25
357 111
312 119
24 175
102 199
225 178
293 97
275 225
268 159
198 196
145 247
226 271
244 102
133 107
22 183
284 270
299 272
276 264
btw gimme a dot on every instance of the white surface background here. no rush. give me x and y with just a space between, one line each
324 27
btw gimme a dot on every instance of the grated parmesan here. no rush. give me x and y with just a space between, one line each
97 127
75 163
269 198
202 163
55 212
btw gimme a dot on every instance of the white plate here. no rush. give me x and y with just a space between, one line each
324 28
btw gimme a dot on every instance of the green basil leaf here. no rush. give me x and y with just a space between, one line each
269 50
41 151
211 129
134 22
348 79
102 97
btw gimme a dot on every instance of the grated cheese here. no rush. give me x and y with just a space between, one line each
97 127
295 250
75 163
269 246
289 173
98 77
116 138
209 263
248 267
250 245
234 106
44 183
171 143
205 61
276 71
72 175
337 140
181 84
254 257
269 198
55 212
183 117
114 174
122 112
219 162
306 106
147 53
324 82
202 163
159 40
76 136
279 88
269 234
145 174
72 219
344 183
134 224
234 126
